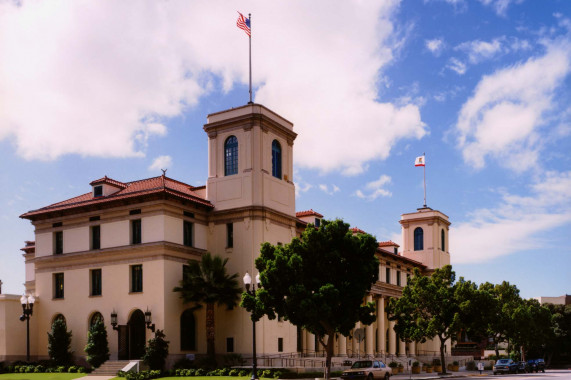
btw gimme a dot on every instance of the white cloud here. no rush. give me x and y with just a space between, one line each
516 224
456 65
109 69
481 50
161 162
502 117
375 189
499 6
329 190
435 45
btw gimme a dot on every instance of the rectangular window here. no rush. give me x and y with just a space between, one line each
388 271
58 285
317 222
280 344
136 231
229 344
95 282
187 233
398 278
396 251
95 237
97 191
229 235
58 242
136 278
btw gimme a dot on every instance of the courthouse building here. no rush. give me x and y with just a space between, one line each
120 249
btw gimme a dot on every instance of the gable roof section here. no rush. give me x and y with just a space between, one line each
161 185
310 212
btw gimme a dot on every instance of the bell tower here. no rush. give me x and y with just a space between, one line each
425 237
250 159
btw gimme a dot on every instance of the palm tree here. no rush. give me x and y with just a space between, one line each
207 282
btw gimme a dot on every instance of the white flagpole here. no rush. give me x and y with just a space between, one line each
250 39
424 170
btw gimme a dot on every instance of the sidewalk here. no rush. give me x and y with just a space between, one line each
449 374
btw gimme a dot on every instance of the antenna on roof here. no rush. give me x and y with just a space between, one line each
164 171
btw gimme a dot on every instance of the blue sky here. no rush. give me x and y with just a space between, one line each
94 88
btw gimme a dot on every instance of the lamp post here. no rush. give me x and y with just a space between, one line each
149 320
27 309
248 283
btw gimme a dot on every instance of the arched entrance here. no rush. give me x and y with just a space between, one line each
137 334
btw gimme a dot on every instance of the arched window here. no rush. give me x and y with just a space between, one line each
418 239
59 317
276 159
231 156
187 331
94 318
442 240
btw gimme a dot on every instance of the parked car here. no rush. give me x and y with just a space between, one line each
536 365
367 369
522 367
505 366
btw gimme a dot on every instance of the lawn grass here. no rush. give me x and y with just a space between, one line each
41 376
208 378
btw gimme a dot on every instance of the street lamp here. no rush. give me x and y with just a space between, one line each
149 320
27 309
114 320
248 282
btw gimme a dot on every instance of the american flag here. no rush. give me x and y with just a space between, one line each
243 23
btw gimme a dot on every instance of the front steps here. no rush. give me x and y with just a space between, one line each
110 368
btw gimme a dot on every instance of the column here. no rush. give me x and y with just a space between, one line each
369 333
381 328
310 342
342 345
392 338
402 348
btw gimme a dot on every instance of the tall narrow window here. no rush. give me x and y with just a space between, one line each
398 277
95 237
442 239
418 239
95 282
388 273
317 222
187 331
187 233
231 156
276 159
229 344
58 242
98 191
280 344
229 235
136 278
58 285
136 231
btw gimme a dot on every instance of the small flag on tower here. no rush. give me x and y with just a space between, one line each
243 23
420 161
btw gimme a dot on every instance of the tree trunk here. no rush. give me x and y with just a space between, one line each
442 346
497 349
210 330
329 354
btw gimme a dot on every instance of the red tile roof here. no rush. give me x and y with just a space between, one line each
310 212
388 244
155 185
30 246
356 230
109 181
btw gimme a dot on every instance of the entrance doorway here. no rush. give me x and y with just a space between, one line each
132 337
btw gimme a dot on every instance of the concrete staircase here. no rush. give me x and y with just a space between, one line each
110 368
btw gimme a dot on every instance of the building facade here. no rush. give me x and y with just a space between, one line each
120 249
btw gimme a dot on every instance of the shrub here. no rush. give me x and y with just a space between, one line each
471 365
455 362
415 364
61 369
200 372
59 341
183 363
393 364
72 369
156 351
97 348
234 372
245 372
233 360
436 361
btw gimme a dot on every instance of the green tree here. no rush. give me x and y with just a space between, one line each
558 347
534 327
156 351
97 348
428 308
207 282
59 341
318 282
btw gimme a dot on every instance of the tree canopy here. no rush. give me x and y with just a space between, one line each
318 282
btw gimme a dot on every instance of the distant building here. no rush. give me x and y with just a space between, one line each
562 300
122 247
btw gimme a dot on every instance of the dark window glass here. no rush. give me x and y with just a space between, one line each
187 233
136 231
388 275
96 282
280 344
418 239
231 156
398 278
229 344
317 222
95 237
58 285
187 331
95 317
442 239
396 251
276 159
229 235
136 278
58 242
98 191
